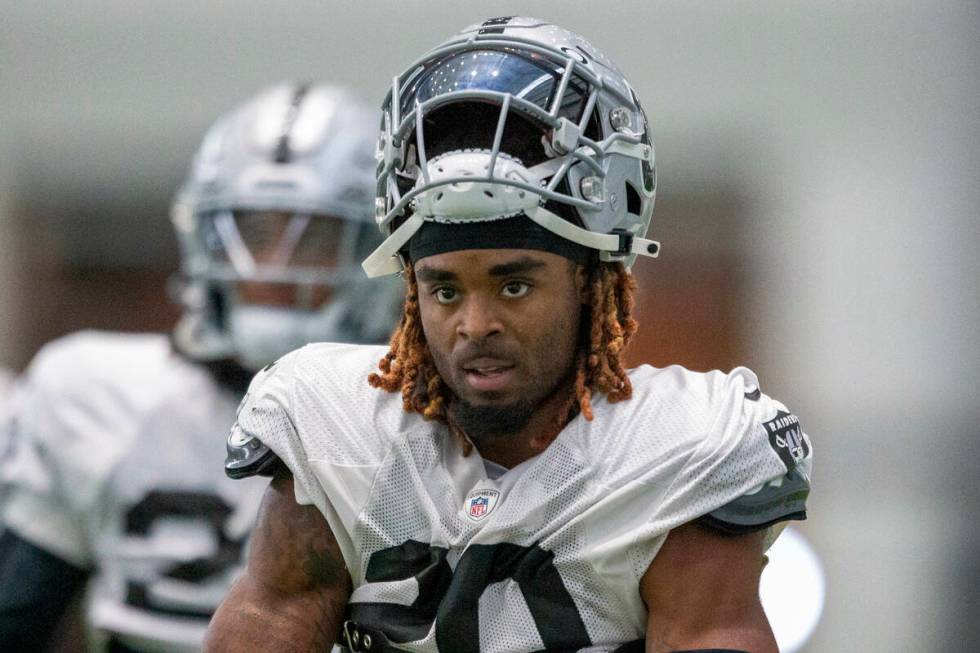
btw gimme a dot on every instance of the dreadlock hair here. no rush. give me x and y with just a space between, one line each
607 327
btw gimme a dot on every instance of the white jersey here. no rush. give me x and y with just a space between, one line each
115 466
6 384
447 554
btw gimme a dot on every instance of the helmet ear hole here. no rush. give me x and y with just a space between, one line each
633 201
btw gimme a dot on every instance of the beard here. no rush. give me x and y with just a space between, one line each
483 423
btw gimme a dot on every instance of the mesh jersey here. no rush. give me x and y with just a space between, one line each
115 466
546 556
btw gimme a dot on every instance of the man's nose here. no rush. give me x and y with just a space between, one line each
478 319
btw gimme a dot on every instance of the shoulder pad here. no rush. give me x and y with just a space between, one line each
781 499
247 456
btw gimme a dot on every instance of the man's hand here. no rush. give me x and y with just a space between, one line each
294 591
702 593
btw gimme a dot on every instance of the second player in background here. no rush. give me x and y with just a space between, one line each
114 479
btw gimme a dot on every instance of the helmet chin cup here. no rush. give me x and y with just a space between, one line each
262 334
474 185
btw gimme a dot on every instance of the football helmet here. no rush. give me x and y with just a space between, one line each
564 141
279 197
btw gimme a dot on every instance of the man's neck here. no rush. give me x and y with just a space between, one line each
548 420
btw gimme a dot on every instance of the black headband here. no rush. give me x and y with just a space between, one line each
518 232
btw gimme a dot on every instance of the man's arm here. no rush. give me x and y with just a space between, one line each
293 593
702 593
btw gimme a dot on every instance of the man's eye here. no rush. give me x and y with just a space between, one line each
516 289
445 295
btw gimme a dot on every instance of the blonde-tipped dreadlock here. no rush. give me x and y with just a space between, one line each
408 365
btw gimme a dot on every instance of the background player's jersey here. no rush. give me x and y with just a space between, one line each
447 555
114 466
6 383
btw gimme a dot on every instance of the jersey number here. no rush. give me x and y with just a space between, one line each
208 508
451 599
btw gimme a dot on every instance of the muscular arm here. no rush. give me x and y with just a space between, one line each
702 593
293 593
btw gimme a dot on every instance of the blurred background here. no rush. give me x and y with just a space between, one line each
818 166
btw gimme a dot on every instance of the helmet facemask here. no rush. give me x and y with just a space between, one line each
299 249
278 280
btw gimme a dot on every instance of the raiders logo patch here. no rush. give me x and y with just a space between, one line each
480 503
786 438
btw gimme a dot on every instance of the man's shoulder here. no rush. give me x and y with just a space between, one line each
722 445
685 394
91 384
703 402
318 397
74 363
339 361
679 417
84 405
316 369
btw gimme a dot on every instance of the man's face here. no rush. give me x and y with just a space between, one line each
502 326
273 241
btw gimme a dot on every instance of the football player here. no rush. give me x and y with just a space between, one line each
499 481
115 473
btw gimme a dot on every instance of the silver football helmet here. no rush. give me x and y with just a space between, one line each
589 175
272 220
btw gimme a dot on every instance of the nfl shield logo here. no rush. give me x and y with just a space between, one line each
479 503
478 506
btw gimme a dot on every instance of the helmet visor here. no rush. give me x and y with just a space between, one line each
527 76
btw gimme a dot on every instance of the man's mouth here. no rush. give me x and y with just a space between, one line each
488 374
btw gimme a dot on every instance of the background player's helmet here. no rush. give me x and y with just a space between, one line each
278 204
456 127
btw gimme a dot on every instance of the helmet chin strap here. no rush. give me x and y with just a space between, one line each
476 186
612 246
384 260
